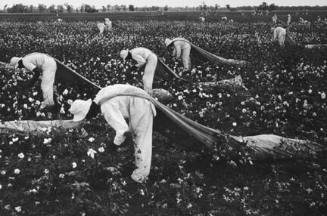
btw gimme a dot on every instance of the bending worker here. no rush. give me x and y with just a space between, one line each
115 109
180 48
280 35
39 63
143 57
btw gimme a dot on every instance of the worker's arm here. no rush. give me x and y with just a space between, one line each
116 120
177 51
139 59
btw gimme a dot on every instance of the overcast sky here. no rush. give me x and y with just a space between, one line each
171 3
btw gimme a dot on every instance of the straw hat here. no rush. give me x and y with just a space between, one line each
168 42
80 108
14 61
123 54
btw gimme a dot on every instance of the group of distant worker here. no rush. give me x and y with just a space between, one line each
115 110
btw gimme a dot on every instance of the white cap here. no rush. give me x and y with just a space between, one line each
14 61
123 54
80 108
168 42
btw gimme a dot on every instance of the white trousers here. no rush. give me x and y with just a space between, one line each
186 51
47 82
141 124
149 71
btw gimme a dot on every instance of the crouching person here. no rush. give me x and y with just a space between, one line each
39 63
115 110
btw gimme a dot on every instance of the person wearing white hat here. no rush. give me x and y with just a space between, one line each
180 48
115 110
280 35
143 57
39 63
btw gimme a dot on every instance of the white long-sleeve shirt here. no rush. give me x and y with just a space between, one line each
117 108
38 60
141 54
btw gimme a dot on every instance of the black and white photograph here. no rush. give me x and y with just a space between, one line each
163 108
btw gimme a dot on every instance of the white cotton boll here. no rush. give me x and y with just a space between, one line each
18 208
91 153
47 140
101 149
17 171
62 110
91 139
21 155
65 92
74 165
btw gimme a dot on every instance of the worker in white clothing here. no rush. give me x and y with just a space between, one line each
39 63
108 24
280 35
274 19
142 57
115 110
289 19
180 48
101 27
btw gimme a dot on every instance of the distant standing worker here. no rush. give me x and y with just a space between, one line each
101 27
108 24
180 48
275 18
143 57
115 110
289 19
39 63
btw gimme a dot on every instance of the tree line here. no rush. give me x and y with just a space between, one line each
68 8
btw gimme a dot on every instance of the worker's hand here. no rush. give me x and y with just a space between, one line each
119 139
